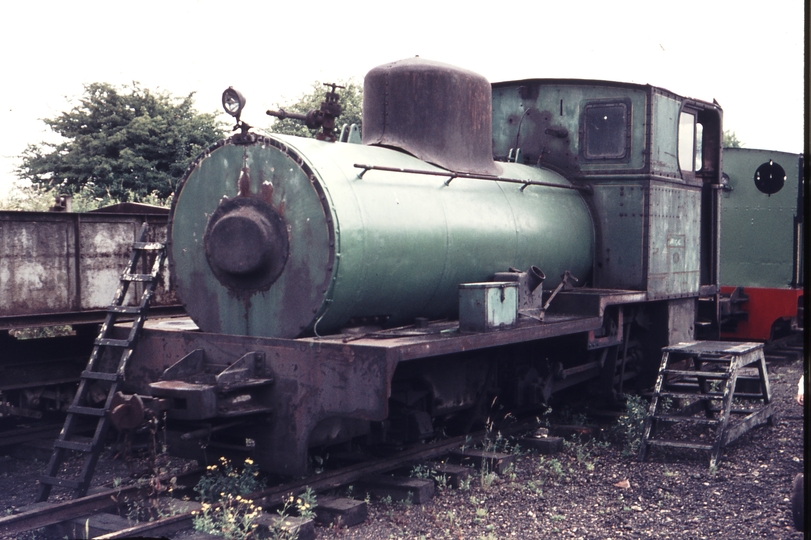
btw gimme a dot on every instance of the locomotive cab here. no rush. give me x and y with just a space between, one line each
653 161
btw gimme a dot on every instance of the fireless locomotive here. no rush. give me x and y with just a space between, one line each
483 241
388 290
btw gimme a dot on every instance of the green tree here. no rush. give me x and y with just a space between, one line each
351 99
126 144
731 140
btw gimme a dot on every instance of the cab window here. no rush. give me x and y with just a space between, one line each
690 143
606 131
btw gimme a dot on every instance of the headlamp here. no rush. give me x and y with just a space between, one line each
233 102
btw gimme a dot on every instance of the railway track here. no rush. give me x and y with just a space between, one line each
42 515
22 435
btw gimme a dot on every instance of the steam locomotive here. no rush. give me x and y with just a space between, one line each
507 241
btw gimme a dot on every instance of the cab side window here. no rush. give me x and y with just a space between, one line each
606 131
690 143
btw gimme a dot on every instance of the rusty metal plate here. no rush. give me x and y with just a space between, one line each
277 177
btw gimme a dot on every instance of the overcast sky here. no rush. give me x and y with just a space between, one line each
747 56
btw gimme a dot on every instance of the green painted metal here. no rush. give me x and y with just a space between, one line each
665 130
301 286
623 141
621 213
390 244
487 306
673 257
758 230
544 118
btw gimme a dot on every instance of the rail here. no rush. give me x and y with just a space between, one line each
50 514
454 175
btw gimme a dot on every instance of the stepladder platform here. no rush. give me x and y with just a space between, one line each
707 395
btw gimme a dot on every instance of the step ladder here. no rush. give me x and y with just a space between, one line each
102 377
703 376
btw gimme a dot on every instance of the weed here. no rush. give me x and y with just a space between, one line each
584 452
426 472
422 471
481 514
568 416
278 531
535 488
306 503
224 510
557 517
233 518
554 466
149 508
510 472
225 478
487 479
630 426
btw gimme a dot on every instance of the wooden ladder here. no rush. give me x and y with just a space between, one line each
83 412
704 377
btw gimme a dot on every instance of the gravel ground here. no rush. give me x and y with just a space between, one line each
589 491
598 493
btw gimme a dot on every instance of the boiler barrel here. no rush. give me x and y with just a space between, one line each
283 237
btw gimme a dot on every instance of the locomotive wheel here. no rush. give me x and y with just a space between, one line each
798 502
